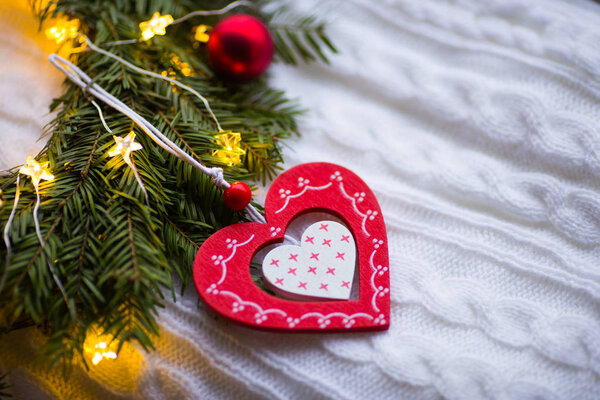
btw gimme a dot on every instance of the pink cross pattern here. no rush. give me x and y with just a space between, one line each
326 242
340 255
310 239
302 285
345 239
324 286
275 263
346 284
293 257
279 281
324 227
312 269
316 256
292 271
330 271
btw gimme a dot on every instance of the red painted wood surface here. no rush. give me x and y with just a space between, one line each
222 265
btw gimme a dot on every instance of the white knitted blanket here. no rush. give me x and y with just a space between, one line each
476 125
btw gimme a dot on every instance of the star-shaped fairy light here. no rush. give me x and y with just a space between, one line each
36 171
155 26
201 34
99 347
231 152
125 146
62 30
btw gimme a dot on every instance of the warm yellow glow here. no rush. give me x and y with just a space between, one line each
185 68
155 26
201 34
231 151
62 30
36 171
100 347
125 146
182 66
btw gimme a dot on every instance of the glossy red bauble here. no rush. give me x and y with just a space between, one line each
237 196
240 48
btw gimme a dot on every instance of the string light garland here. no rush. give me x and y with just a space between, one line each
158 23
124 147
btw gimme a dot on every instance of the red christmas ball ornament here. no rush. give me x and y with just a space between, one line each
240 48
237 196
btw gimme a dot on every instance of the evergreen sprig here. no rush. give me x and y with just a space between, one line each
116 255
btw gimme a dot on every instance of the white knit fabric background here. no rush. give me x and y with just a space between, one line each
476 124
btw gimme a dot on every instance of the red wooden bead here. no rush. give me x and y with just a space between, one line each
237 196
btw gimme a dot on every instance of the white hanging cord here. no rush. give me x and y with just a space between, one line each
81 79
214 12
154 75
7 233
131 164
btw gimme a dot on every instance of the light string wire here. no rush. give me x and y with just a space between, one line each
220 11
38 233
7 233
131 164
214 12
81 79
154 75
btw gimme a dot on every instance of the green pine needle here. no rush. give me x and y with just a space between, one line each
116 257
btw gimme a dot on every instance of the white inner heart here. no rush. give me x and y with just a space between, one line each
321 267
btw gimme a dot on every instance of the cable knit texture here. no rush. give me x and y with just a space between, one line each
475 124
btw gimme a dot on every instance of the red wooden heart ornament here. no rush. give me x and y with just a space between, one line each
222 265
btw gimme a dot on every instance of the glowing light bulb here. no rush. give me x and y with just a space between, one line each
231 151
36 171
63 29
155 26
100 347
125 146
201 34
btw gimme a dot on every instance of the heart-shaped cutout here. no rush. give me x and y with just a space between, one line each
322 267
222 265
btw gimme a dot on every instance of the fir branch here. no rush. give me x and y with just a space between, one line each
115 253
299 37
